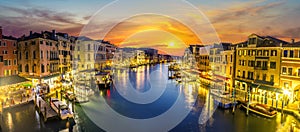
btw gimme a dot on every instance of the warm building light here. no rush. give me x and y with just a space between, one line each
286 92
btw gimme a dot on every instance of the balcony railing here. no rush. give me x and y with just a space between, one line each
260 68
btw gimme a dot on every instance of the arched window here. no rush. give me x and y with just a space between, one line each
26 68
34 55
26 55
42 68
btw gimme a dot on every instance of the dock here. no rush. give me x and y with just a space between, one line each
44 109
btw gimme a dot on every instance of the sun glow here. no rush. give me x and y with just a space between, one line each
171 44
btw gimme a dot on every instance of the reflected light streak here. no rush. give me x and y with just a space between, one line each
9 121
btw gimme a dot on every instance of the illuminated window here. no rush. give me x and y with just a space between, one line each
266 53
283 70
253 52
264 77
272 78
286 84
259 53
273 53
290 71
249 52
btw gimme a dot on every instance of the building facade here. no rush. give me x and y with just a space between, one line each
258 62
38 57
89 54
222 62
8 55
65 50
290 70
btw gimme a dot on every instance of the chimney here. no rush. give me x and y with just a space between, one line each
293 41
53 34
30 33
0 32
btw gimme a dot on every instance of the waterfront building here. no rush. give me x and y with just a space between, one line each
65 50
140 57
190 55
151 55
38 57
222 62
258 62
123 57
110 51
84 54
101 53
8 55
290 70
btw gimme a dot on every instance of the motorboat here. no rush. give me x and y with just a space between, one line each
61 109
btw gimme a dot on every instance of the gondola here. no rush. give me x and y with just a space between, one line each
261 109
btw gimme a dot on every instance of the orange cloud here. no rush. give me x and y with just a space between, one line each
148 22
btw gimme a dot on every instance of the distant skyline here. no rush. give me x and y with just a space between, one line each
233 20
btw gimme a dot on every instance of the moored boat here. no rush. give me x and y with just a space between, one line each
261 109
61 108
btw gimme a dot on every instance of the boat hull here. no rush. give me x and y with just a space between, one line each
244 105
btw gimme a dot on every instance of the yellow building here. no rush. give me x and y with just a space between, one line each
88 55
258 62
290 70
65 50
222 62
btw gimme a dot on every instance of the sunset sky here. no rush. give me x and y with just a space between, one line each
232 20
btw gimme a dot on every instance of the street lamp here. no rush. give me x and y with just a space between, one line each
286 93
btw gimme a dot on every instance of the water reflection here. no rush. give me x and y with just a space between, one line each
9 121
25 118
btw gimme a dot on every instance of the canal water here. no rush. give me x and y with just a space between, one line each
95 116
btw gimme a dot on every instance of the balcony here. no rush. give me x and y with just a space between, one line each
260 68
264 82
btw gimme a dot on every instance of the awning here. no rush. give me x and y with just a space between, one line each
27 84
17 92
262 85
102 73
51 76
9 80
220 77
265 87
